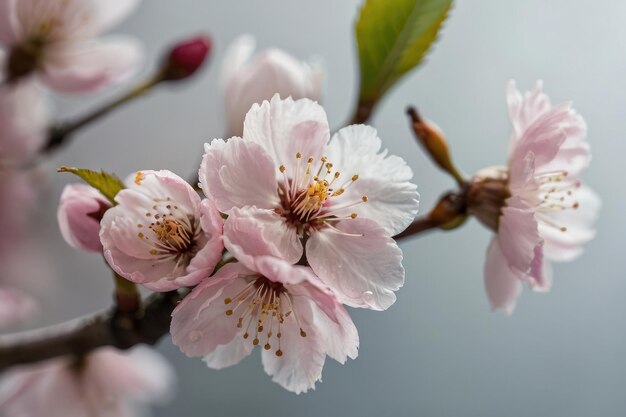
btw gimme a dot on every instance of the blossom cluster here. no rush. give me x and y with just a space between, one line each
283 239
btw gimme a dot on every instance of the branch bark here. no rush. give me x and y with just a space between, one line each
121 330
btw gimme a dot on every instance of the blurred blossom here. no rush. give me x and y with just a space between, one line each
537 204
264 301
246 79
24 118
105 383
338 203
160 234
80 210
15 307
55 39
17 196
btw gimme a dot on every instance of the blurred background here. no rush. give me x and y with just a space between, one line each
439 351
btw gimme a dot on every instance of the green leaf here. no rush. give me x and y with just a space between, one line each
108 184
393 37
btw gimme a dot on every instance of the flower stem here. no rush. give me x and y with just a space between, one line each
127 298
62 132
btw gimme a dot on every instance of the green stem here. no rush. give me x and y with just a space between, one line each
127 299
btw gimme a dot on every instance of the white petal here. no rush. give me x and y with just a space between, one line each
93 65
360 262
229 354
303 358
566 246
285 127
238 173
385 179
108 13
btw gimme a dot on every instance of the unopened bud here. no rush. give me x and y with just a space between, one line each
450 211
185 58
487 194
434 142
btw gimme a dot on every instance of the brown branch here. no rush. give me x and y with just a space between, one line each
115 328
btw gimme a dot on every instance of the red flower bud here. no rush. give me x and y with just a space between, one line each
185 58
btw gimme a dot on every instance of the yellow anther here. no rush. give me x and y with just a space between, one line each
354 215
364 198
355 177
139 177
298 155
282 168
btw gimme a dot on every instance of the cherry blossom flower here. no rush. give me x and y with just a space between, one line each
160 234
24 116
264 301
537 204
80 210
246 79
342 200
106 383
55 39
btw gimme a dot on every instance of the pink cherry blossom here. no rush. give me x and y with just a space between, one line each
80 210
248 79
160 234
106 383
345 199
24 117
265 301
55 39
549 215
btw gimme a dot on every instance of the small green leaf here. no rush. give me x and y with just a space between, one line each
393 37
108 184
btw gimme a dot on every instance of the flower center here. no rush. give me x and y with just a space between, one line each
308 192
172 232
263 306
556 193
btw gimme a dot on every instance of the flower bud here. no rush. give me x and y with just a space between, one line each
246 79
80 210
434 142
487 195
185 58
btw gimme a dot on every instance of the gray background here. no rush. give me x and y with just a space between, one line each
439 351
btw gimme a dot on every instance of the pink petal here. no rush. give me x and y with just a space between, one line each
518 235
501 282
360 262
199 324
335 327
15 307
212 225
24 118
238 173
78 214
255 232
141 373
385 179
10 28
91 66
524 110
287 127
